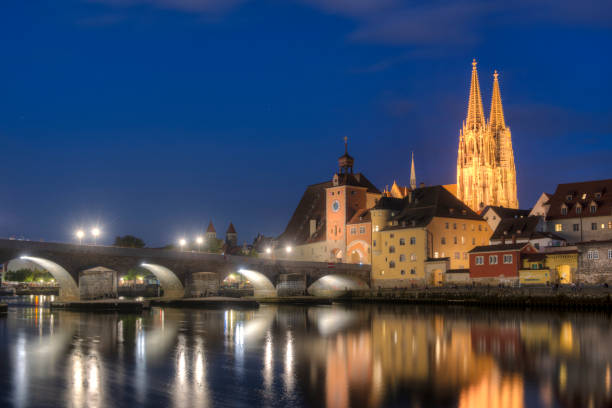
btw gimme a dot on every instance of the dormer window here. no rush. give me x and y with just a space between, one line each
598 195
564 209
578 209
568 197
593 208
584 195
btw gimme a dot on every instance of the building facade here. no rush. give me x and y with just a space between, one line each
486 174
332 222
495 264
415 237
594 262
581 211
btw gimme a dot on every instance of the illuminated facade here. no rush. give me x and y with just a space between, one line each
485 163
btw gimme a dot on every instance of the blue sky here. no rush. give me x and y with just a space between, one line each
151 117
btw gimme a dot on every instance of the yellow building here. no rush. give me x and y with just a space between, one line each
411 236
549 268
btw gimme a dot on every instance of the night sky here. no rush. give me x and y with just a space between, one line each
151 117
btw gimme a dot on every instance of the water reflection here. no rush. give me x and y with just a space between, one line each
320 356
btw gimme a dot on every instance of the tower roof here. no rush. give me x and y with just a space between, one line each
475 115
496 117
231 229
211 227
345 162
412 174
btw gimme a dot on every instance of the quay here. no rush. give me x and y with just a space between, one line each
588 298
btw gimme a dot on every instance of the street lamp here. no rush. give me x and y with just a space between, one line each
268 250
199 241
288 249
80 234
95 231
182 243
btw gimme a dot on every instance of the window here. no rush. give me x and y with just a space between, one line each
391 264
353 230
578 210
537 245
413 271
454 225
362 230
473 228
402 241
598 195
479 227
413 257
436 255
593 254
443 241
464 227
374 243
508 259
563 210
609 253
455 240
465 255
473 241
392 235
558 227
402 258
457 255
462 240
593 209
576 227
594 226
402 272
412 240
492 259
568 197
391 249
609 224
446 225
480 260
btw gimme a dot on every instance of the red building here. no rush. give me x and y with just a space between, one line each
494 264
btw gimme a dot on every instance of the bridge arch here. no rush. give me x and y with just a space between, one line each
170 283
335 285
262 286
68 288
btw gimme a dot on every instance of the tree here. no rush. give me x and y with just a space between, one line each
129 241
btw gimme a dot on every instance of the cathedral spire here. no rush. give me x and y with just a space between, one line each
496 117
412 174
475 115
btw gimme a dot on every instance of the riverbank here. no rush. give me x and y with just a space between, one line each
590 298
106 305
207 303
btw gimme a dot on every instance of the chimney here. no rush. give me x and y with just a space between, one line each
313 227
514 238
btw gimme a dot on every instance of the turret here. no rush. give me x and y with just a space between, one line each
231 236
211 233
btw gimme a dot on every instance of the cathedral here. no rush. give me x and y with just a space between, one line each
485 162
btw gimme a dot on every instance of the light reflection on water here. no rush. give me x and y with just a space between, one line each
292 356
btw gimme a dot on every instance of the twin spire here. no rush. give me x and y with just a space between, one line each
475 116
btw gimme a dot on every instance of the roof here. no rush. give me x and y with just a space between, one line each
425 203
504 212
569 195
535 257
310 207
231 229
361 216
357 180
499 247
211 227
524 227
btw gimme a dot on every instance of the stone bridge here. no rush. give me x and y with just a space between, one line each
181 274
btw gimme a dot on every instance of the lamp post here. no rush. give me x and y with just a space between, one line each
199 241
80 234
95 231
182 243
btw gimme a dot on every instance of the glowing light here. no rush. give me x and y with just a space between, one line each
95 231
182 242
80 234
268 250
199 240
288 249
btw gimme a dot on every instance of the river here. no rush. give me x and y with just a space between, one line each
322 356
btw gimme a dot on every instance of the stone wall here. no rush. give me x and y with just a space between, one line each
98 283
291 284
203 284
591 270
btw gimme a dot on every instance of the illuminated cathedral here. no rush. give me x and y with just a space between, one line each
485 163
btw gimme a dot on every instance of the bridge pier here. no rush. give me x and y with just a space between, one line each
97 283
202 284
291 284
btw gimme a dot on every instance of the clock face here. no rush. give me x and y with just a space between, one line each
336 205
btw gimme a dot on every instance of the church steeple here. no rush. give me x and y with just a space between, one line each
496 117
412 175
345 162
475 116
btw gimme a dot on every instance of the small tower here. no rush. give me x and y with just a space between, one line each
211 233
231 237
412 175
345 162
